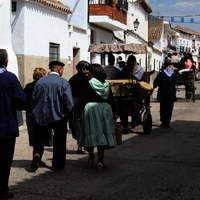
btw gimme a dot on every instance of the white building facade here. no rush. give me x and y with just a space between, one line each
139 10
106 18
40 34
79 32
5 35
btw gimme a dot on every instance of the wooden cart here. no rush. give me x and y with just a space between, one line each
132 98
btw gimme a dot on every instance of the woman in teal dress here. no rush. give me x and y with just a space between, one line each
96 106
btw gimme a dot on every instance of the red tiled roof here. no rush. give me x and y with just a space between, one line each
187 30
145 5
54 4
155 29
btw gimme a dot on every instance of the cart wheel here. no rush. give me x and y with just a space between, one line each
147 122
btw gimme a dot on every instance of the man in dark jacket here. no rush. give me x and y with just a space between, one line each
51 103
12 97
77 83
165 81
112 72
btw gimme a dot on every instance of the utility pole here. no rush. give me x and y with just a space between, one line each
159 8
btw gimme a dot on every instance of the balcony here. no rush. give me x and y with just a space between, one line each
108 14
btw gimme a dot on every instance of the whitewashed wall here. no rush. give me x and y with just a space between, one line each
136 11
99 37
35 26
79 14
5 35
80 37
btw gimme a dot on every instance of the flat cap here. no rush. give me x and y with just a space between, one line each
56 63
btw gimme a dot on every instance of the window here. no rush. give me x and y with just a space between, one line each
14 6
103 60
54 51
108 2
119 3
125 6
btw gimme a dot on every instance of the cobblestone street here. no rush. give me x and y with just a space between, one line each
159 166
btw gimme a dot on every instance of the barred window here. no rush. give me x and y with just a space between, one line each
54 51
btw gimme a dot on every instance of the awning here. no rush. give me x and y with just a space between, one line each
118 48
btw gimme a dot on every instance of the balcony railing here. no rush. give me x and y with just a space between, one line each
108 2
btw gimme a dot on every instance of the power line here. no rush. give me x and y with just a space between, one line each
186 22
181 15
195 15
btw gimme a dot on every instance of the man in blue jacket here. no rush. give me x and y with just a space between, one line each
12 97
52 102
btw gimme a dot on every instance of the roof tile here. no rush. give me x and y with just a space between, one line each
54 4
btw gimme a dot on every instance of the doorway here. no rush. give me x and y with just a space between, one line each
76 58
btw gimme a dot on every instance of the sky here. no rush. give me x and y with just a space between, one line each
188 10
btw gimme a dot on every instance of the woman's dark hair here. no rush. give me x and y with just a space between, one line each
82 65
98 72
128 68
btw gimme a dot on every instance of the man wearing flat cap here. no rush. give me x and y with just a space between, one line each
51 104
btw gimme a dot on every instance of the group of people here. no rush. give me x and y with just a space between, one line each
186 63
129 69
85 101
50 101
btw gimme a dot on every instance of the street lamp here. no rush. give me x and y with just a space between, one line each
136 24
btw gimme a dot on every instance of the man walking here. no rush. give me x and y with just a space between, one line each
165 81
51 103
77 83
12 97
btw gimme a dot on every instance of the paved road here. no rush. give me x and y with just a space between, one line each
164 165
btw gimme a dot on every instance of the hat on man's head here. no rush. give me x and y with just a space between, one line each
56 63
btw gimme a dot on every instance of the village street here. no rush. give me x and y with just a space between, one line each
161 166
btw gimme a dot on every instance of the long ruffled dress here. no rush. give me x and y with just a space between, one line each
97 120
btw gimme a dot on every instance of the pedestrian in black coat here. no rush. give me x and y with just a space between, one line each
12 98
165 81
77 83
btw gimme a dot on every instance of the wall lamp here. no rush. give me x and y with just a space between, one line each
136 23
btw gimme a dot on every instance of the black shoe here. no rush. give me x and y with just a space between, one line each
35 162
9 195
79 151
91 161
42 164
101 166
164 126
127 131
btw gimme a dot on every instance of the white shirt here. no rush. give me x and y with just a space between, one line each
139 72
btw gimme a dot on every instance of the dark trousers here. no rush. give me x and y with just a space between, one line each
134 116
166 109
7 147
59 141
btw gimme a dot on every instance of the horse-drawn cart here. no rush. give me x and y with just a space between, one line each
132 97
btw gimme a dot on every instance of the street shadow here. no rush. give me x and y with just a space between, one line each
128 160
142 166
